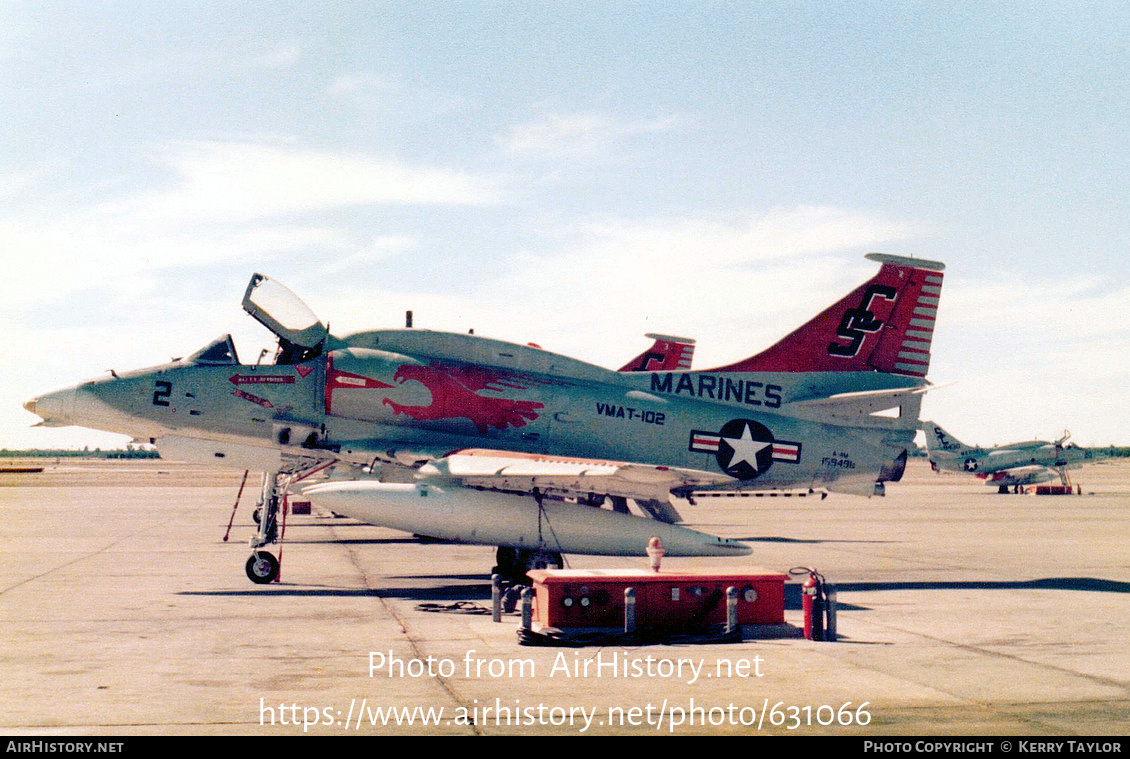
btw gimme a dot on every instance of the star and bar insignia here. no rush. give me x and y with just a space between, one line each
744 448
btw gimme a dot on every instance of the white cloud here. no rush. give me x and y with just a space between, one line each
1060 308
735 283
379 249
556 135
357 85
385 97
1030 357
219 209
226 181
65 255
727 280
14 183
284 55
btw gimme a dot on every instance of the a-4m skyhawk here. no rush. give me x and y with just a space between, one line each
1007 466
466 438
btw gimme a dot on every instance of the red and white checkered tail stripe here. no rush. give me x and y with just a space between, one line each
686 354
913 355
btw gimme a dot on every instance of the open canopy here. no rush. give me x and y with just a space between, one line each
301 334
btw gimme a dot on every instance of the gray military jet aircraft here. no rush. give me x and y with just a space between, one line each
466 438
1005 466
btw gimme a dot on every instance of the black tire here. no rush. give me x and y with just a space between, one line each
513 563
543 559
506 562
262 568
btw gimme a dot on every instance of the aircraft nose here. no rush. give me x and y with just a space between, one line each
54 408
729 547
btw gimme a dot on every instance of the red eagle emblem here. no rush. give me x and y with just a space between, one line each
456 394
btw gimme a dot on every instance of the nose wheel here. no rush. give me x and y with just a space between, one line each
262 567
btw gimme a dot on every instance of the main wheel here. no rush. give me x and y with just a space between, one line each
514 563
543 559
262 568
506 562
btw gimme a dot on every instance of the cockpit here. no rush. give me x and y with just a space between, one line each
301 334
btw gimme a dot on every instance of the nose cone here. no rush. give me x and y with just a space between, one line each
56 409
728 547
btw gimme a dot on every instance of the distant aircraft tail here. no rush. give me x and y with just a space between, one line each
884 325
940 441
667 353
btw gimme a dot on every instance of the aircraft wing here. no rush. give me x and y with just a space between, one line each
508 471
1021 475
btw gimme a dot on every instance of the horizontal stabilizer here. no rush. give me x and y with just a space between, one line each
861 408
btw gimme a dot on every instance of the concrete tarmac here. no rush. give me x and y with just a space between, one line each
962 612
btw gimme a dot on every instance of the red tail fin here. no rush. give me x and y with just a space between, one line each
667 353
885 325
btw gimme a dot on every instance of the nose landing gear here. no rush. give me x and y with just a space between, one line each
262 567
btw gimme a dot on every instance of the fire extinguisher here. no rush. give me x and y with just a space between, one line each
818 602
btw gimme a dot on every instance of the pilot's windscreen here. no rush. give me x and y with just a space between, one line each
219 352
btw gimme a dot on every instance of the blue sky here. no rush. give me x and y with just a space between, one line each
573 174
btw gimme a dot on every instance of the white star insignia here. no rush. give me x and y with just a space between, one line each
745 449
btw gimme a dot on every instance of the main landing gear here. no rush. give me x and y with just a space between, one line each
512 564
